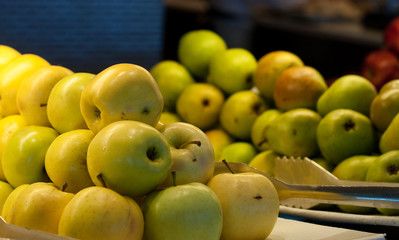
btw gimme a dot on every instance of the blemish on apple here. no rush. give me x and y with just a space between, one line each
392 169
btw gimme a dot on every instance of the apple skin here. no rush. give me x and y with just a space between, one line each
121 92
196 48
63 105
393 84
189 211
238 151
65 160
172 78
101 213
42 199
34 91
192 154
391 35
5 191
343 133
219 139
12 76
265 161
8 125
129 157
7 54
239 113
380 66
250 205
387 141
260 126
384 108
200 104
232 70
8 206
24 154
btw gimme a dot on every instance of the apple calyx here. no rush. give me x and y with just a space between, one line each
349 125
257 108
392 169
196 142
152 153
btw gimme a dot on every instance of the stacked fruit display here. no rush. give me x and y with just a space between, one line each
85 156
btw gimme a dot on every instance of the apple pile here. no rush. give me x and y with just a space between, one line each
86 156
256 110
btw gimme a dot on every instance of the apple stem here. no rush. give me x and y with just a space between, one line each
174 178
196 142
64 187
101 179
227 165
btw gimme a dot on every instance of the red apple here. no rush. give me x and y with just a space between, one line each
380 66
391 35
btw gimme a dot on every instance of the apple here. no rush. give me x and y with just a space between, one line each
189 211
24 154
169 117
219 139
232 70
5 191
8 206
122 91
39 206
384 108
343 133
65 160
260 126
101 213
8 125
393 84
172 78
265 161
239 113
238 151
200 104
391 35
11 77
298 87
34 91
293 133
380 66
387 141
250 205
7 54
191 151
63 105
269 68
129 157
196 48
349 91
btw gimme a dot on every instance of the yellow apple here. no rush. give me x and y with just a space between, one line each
8 125
219 139
7 54
121 92
101 213
265 161
63 106
34 92
8 206
11 77
65 160
5 191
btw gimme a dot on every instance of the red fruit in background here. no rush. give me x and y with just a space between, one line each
391 35
380 66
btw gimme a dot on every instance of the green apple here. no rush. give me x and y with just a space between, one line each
196 48
189 211
232 70
5 191
24 154
239 113
122 91
250 205
393 84
269 68
191 151
39 206
298 87
8 206
169 117
238 151
265 161
63 105
8 125
33 93
7 54
219 139
349 91
343 133
383 108
324 163
293 133
65 160
385 169
354 169
200 104
130 157
388 138
258 131
172 78
101 213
